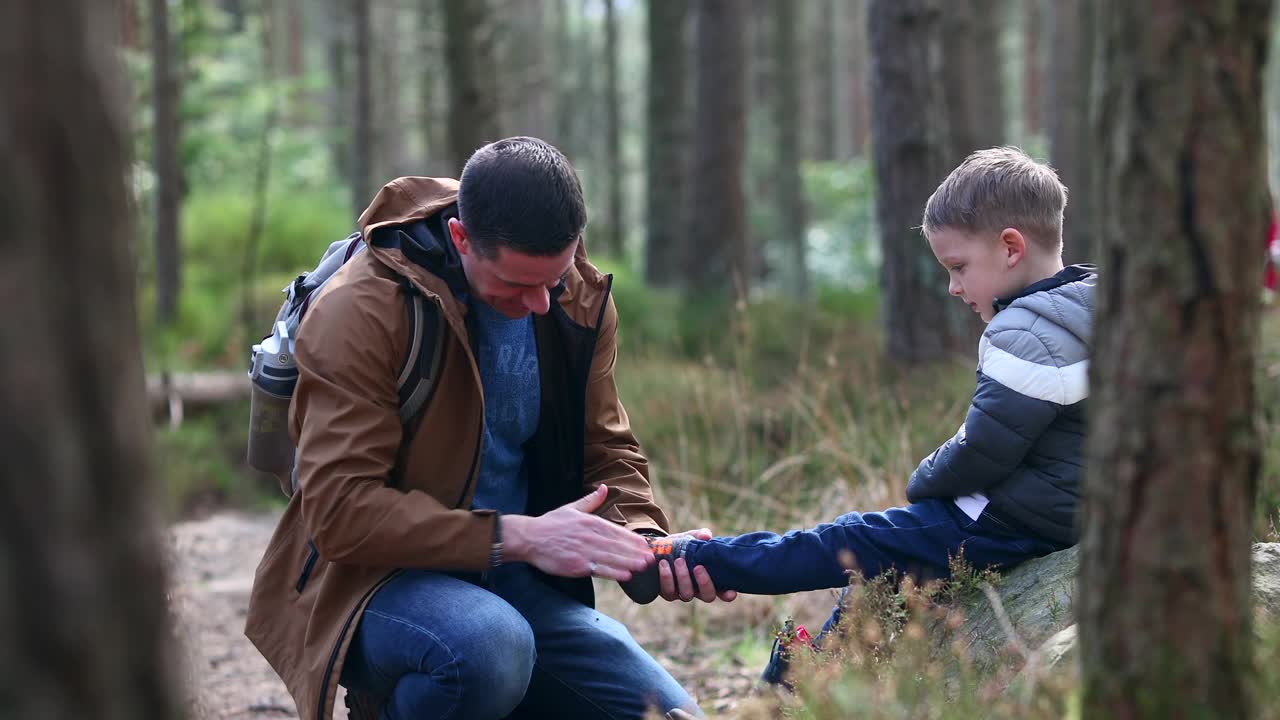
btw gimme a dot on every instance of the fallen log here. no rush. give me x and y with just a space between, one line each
173 395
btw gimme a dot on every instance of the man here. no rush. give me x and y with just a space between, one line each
442 569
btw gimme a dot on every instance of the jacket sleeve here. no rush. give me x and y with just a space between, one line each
346 422
1001 426
612 454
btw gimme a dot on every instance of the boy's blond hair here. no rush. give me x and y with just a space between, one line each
1000 188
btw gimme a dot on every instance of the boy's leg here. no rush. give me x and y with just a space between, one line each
432 646
917 540
588 665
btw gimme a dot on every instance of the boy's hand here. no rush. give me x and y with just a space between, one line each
675 582
671 579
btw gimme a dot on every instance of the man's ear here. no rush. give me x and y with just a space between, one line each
458 234
1014 245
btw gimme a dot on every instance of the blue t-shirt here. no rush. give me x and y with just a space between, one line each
508 360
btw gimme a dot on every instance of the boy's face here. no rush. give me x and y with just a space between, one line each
981 266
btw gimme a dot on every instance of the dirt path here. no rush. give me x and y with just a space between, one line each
716 652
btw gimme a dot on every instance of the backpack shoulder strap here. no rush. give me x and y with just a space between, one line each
421 372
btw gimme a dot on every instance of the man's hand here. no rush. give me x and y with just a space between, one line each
572 542
675 582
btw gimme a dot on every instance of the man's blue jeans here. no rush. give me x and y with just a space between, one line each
437 646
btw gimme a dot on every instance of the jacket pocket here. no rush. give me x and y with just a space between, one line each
312 556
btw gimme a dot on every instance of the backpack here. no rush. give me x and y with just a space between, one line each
273 373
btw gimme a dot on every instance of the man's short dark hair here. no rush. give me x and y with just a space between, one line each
521 193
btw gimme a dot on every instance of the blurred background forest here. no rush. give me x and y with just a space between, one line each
715 140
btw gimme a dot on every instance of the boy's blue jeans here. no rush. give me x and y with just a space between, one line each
917 540
437 646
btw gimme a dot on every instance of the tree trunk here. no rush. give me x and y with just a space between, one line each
565 86
1165 624
526 81
667 143
165 92
473 92
909 131
1032 67
1071 148
340 104
614 172
128 14
974 92
362 146
83 612
717 259
390 96
433 111
235 9
821 16
786 97
852 99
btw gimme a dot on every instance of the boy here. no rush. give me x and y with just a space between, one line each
1006 485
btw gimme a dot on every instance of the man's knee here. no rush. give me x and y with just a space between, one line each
482 674
495 667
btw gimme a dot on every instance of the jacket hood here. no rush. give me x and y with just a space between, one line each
1066 299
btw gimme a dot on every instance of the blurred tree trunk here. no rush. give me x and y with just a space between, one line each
528 86
973 88
340 104
235 9
717 258
974 101
473 91
786 97
390 96
668 141
362 146
614 172
565 85
83 611
822 31
128 14
1165 624
909 130
432 91
854 101
1032 66
1071 148
295 60
166 91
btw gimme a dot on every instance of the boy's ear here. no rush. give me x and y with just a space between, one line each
1014 245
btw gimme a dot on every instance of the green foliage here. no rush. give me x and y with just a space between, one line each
883 660
215 228
202 464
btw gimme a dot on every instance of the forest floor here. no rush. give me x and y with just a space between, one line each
714 651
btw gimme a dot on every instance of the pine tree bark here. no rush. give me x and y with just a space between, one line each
1165 623
83 612
973 86
717 259
614 172
473 84
822 21
786 97
667 142
362 143
1071 147
909 138
164 137
339 101
1032 67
